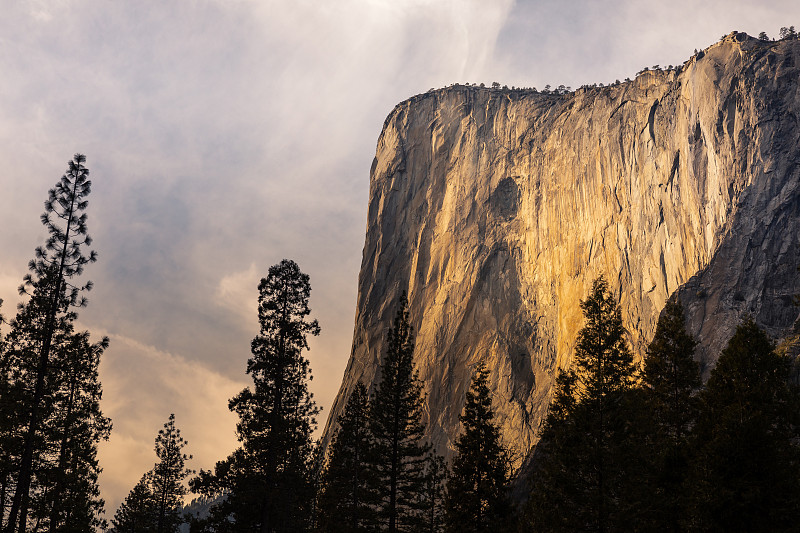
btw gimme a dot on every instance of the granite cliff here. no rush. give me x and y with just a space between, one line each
495 209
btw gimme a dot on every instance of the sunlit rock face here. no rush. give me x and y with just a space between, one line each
496 209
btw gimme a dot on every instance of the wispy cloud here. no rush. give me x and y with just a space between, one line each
237 293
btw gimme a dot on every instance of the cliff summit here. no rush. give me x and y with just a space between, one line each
496 209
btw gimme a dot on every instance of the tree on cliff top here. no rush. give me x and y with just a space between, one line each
788 33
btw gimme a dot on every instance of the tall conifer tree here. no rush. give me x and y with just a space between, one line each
671 380
348 492
477 499
396 424
50 373
6 408
585 456
168 475
139 511
671 374
154 504
268 480
747 469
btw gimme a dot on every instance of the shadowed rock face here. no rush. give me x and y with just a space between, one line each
495 210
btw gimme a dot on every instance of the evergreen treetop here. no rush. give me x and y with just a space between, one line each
671 374
667 411
750 376
396 425
348 493
586 453
50 374
477 499
268 480
138 513
168 475
154 504
603 361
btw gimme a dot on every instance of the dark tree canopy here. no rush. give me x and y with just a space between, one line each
585 455
434 494
138 513
154 504
603 361
747 473
50 391
396 425
477 499
349 491
268 480
668 412
671 374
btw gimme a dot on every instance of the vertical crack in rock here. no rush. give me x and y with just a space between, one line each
651 119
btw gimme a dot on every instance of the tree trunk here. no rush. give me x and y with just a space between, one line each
63 457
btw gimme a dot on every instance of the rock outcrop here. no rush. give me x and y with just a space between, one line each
496 209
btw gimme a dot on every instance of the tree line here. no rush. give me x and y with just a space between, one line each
51 422
625 447
379 473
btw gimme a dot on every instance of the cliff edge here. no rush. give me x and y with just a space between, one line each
495 209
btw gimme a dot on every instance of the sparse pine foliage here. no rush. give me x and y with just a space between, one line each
477 499
154 504
167 476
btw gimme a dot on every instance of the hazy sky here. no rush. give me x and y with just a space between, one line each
223 136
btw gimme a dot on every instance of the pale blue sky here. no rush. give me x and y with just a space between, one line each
225 135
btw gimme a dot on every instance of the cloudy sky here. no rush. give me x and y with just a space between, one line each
225 135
